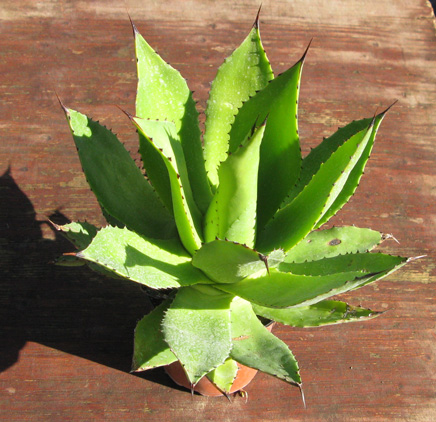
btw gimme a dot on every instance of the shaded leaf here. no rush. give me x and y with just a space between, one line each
197 329
80 233
326 312
227 262
232 213
159 264
224 375
116 181
254 346
150 349
280 155
167 150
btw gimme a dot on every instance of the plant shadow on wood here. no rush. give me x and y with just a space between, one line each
76 311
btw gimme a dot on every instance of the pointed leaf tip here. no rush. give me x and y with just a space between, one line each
256 21
125 112
300 386
387 109
303 57
134 28
64 108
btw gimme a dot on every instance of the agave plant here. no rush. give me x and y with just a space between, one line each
230 232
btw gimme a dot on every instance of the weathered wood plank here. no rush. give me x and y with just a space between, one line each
66 336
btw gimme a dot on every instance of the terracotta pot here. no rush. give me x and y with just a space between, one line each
205 387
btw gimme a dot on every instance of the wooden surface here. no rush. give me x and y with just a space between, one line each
66 334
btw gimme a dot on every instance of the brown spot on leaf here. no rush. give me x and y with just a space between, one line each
240 338
335 242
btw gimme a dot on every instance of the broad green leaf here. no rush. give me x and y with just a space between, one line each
280 155
232 212
80 234
197 329
246 71
292 223
224 375
228 262
326 312
365 262
282 290
168 151
163 94
333 242
254 346
159 264
150 349
117 182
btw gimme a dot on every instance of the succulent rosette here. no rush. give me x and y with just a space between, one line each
226 232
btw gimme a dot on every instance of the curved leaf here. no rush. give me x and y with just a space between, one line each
227 262
116 181
197 329
326 312
163 94
321 153
168 151
232 212
80 233
159 264
254 346
282 290
365 262
224 375
292 223
333 242
354 177
246 71
150 349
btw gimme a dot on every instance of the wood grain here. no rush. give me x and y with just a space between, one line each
66 335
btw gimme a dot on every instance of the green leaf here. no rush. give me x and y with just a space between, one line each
320 154
159 264
333 242
365 262
354 177
232 213
282 290
227 262
224 375
246 71
197 329
116 181
150 349
163 94
292 223
167 149
280 155
254 346
80 234
326 312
